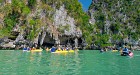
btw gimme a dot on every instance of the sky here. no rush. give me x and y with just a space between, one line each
85 4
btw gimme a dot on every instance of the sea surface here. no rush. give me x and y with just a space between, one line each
83 62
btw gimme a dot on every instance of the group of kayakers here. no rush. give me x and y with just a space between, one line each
53 49
27 48
123 51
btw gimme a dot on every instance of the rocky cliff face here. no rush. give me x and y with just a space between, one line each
39 21
64 22
118 20
42 22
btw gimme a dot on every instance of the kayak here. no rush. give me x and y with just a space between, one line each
26 50
131 54
70 51
36 50
114 50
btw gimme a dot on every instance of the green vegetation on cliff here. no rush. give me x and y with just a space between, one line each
27 15
114 21
118 20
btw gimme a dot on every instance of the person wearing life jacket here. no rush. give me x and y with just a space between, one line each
125 52
59 49
28 48
33 48
24 48
47 49
53 49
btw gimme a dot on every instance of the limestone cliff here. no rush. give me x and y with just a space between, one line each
41 21
117 21
49 22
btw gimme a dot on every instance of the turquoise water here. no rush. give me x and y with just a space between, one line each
84 62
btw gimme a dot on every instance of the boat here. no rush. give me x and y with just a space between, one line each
36 50
129 54
65 51
26 50
114 50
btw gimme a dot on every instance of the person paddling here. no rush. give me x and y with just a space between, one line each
53 49
125 52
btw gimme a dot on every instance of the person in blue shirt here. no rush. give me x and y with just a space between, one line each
24 48
28 48
125 52
53 49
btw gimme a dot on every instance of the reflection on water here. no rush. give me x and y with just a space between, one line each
64 64
53 64
80 63
33 55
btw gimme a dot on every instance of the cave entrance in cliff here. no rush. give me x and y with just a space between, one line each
80 41
71 41
47 45
48 41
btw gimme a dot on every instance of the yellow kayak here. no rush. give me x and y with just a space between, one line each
70 51
114 50
36 50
